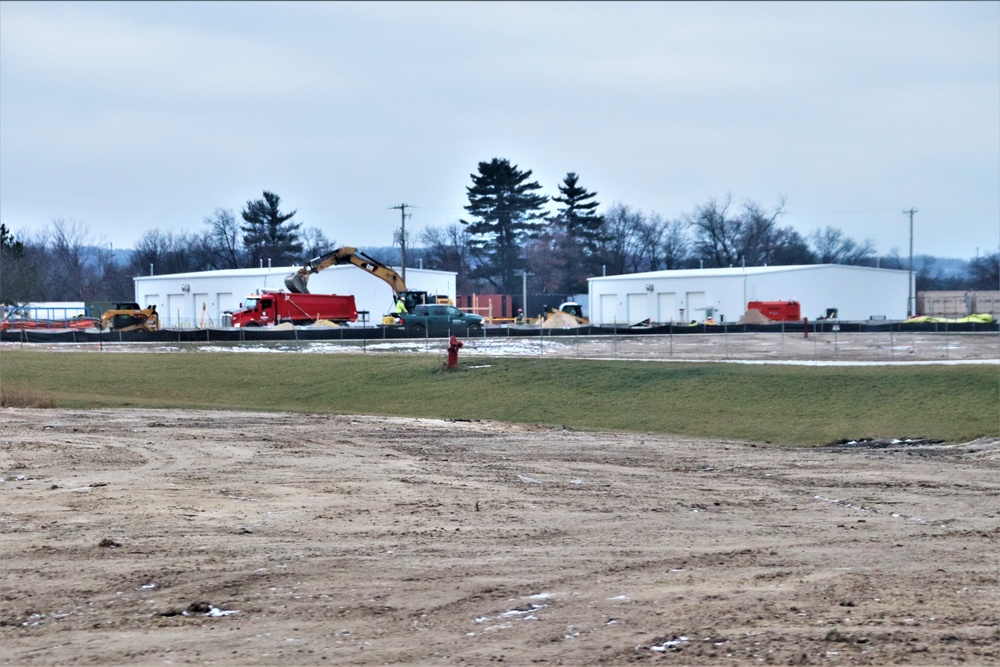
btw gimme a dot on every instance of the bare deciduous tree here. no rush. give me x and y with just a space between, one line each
722 238
985 272
832 246
675 245
226 240
314 243
621 233
447 249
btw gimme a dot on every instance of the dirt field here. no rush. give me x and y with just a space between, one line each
208 538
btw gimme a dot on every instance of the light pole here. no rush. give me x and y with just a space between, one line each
911 296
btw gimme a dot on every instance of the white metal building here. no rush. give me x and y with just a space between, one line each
189 300
856 292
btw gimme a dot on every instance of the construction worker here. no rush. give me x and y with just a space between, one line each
520 316
400 308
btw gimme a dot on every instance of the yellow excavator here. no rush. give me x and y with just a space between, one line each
129 317
297 282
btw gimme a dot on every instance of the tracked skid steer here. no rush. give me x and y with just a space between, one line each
129 317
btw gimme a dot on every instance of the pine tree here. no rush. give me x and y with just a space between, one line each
579 228
509 213
268 233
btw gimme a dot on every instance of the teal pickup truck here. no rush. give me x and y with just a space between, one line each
440 320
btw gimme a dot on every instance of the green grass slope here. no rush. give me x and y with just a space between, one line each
781 404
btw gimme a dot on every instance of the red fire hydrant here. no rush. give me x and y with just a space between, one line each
453 347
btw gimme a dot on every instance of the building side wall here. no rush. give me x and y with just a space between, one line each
857 293
195 300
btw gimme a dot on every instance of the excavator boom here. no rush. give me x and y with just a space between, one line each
298 281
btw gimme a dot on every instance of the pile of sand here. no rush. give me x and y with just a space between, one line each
560 320
755 317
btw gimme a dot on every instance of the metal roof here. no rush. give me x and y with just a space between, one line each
265 271
739 271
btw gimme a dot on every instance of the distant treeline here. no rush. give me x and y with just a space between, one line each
510 232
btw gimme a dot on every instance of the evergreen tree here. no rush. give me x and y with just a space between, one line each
268 233
17 274
9 243
578 228
508 212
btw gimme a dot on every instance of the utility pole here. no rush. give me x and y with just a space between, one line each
911 297
402 233
524 292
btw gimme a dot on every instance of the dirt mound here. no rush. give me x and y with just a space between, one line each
560 320
755 317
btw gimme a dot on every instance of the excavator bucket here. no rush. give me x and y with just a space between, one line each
296 282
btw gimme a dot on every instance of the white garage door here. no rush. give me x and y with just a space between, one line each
609 308
638 307
667 306
695 306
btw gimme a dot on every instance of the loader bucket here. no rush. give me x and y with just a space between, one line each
296 282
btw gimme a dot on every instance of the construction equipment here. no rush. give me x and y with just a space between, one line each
297 282
271 307
127 316
777 311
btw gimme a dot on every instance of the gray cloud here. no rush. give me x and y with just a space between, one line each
135 116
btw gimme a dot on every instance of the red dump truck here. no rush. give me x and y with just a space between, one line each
778 311
274 307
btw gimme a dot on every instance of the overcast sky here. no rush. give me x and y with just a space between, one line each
130 117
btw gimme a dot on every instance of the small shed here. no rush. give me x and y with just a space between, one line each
851 292
198 300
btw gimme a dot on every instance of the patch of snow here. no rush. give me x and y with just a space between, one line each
661 648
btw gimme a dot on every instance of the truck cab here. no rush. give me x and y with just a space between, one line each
256 310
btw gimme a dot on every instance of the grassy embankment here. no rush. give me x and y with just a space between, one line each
781 404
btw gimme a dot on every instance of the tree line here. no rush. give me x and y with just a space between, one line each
509 232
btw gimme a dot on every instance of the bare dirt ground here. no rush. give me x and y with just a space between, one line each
212 538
